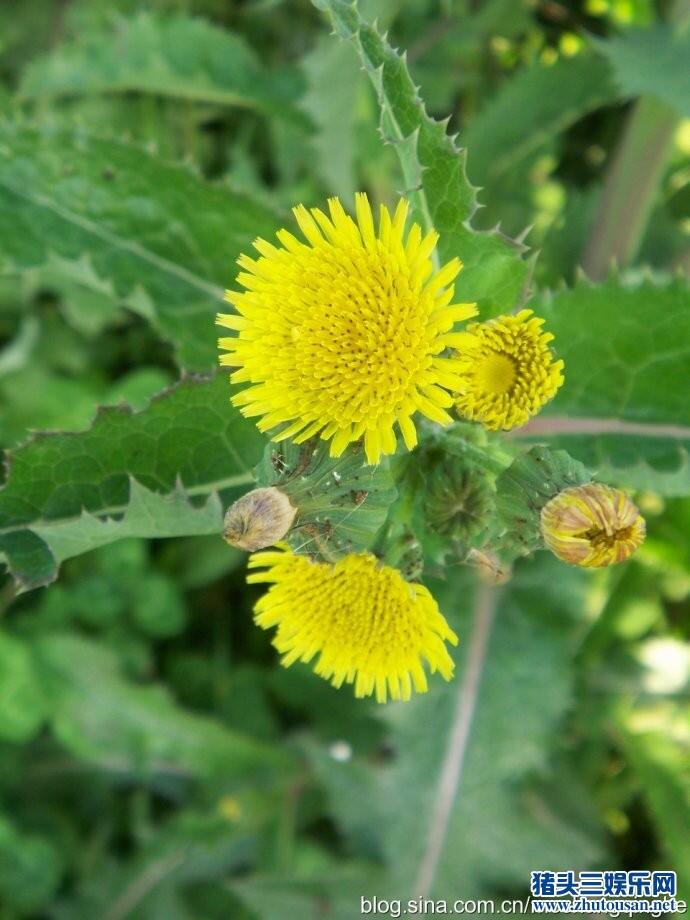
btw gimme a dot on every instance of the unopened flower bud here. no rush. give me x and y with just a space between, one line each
592 525
458 500
259 519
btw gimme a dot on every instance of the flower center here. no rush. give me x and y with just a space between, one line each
601 539
496 374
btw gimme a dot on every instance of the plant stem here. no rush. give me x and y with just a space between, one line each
632 180
454 761
630 187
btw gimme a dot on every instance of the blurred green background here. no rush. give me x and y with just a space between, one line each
155 760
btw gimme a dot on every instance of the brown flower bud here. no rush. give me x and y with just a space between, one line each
592 525
259 519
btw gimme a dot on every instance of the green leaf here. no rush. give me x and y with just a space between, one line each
654 740
341 503
653 62
525 487
159 472
186 849
156 235
333 82
51 400
525 685
501 822
158 606
495 274
177 57
22 704
88 303
532 107
121 727
145 514
334 894
16 353
351 788
30 868
623 408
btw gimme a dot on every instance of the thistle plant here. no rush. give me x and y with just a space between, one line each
394 601
340 337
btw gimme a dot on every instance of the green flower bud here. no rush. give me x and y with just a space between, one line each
458 499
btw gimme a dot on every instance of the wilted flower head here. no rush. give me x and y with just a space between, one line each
592 525
507 369
368 626
258 519
343 335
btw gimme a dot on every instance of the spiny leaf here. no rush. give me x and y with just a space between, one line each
533 106
129 474
526 486
147 514
341 502
179 57
433 167
623 409
160 236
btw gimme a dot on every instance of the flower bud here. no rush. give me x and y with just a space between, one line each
259 519
458 500
592 525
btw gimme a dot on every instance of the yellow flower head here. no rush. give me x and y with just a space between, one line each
368 625
508 370
592 525
342 335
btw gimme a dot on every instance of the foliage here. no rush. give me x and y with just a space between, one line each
157 762
651 61
96 219
129 475
617 378
176 56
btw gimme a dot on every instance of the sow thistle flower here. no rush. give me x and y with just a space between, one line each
507 370
344 335
592 525
368 626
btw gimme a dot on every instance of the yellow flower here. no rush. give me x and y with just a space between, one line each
343 335
508 370
592 525
368 626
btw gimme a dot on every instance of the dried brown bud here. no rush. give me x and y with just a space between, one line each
259 519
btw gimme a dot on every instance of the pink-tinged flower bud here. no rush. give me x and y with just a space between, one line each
592 525
259 519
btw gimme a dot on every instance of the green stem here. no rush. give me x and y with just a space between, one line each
450 777
630 187
631 184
